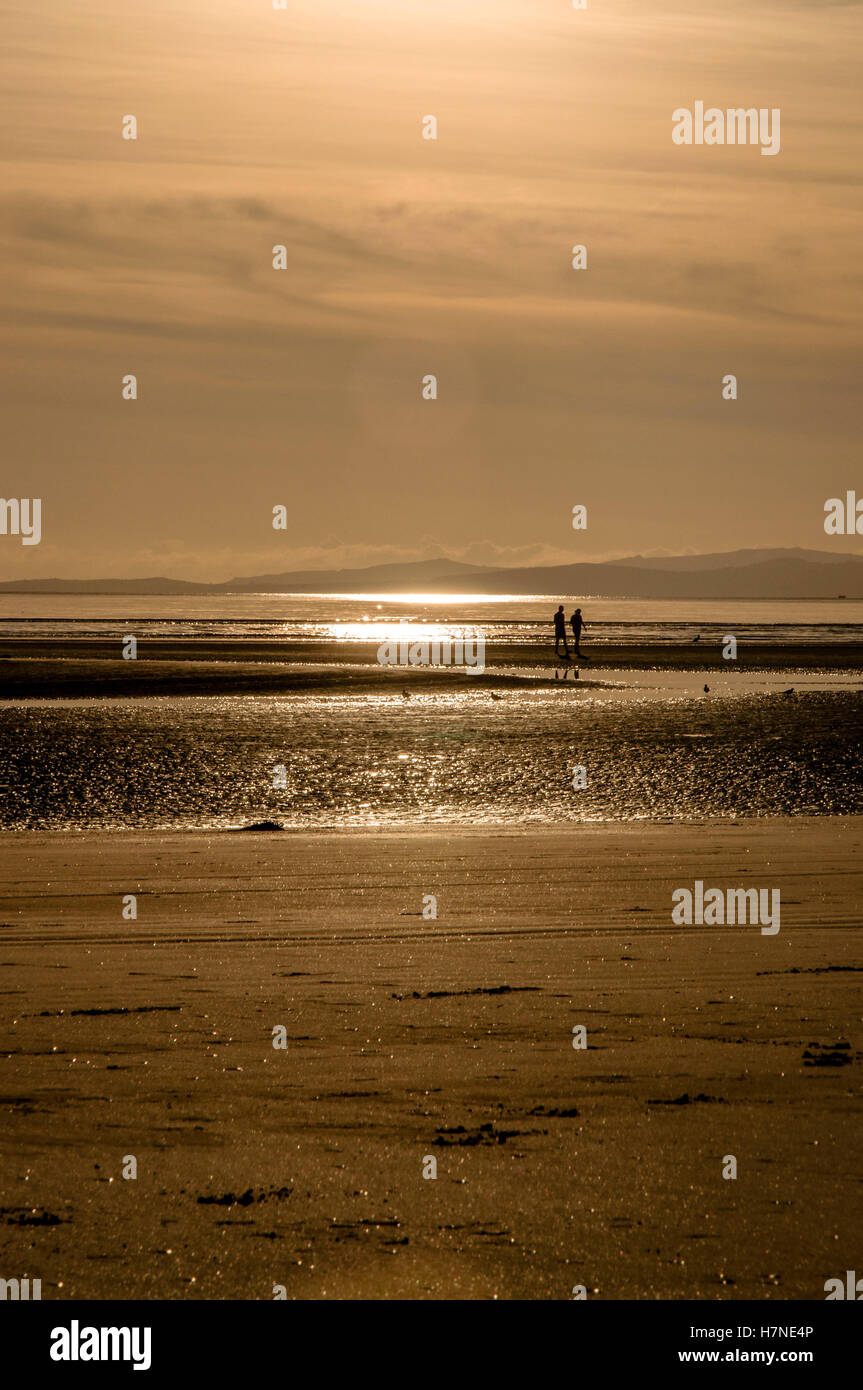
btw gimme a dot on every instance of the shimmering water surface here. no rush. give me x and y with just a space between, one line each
653 743
366 760
503 618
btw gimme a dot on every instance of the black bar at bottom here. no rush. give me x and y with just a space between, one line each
396 1341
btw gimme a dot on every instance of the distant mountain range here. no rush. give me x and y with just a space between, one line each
732 574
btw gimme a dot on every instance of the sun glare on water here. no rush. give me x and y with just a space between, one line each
394 630
409 628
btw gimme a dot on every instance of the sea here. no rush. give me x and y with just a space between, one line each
649 745
506 618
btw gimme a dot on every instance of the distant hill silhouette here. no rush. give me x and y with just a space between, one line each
734 574
767 579
404 576
733 559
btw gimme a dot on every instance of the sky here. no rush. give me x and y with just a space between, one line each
407 257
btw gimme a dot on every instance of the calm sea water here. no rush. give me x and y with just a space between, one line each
512 617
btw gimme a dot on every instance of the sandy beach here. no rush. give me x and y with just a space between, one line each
449 1038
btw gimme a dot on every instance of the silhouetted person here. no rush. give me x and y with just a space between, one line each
560 633
577 624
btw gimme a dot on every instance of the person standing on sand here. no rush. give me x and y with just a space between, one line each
577 624
560 633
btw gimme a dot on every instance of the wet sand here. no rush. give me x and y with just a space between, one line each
448 1038
33 668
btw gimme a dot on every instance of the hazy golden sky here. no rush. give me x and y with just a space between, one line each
407 257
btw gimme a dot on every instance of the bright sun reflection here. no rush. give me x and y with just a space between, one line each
418 600
407 629
394 630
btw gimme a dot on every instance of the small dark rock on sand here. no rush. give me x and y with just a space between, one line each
687 1099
